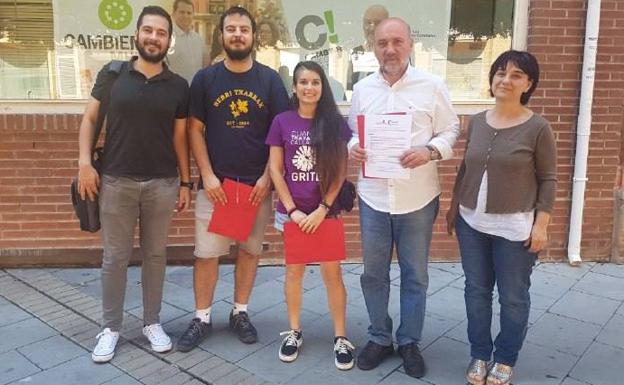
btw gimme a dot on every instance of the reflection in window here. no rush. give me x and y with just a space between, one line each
26 45
454 39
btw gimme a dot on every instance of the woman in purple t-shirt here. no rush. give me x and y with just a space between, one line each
308 163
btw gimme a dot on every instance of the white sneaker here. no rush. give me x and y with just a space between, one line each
157 337
105 348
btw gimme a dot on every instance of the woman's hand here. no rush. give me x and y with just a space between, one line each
313 220
539 235
297 216
451 217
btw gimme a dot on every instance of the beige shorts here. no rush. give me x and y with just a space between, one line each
211 245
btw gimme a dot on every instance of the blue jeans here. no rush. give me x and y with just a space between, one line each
411 235
488 259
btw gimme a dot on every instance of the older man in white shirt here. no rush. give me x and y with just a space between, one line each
400 212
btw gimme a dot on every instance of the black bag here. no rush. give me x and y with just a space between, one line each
86 210
346 196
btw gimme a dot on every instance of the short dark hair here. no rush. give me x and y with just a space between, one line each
523 60
237 10
177 2
155 10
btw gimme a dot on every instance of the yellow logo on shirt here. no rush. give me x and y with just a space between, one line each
239 107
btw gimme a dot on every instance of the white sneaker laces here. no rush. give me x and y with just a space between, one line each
292 339
343 346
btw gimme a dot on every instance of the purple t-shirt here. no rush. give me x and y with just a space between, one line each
292 132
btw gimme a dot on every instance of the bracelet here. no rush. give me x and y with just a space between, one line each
289 212
325 205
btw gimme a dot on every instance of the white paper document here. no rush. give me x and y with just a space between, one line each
386 138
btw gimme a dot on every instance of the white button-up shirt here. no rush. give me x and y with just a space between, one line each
434 123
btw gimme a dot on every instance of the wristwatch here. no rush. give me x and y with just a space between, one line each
434 154
187 184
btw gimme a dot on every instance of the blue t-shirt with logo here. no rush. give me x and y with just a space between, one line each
237 110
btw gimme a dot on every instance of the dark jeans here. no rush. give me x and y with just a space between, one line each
488 259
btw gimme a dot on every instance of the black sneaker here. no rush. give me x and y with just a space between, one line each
413 361
343 353
289 350
241 325
373 354
193 335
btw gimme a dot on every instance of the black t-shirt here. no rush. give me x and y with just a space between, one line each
237 110
140 121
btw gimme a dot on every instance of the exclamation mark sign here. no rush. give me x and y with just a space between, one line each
329 20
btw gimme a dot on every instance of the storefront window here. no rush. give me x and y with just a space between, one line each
53 49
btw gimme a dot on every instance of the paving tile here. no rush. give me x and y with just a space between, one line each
451 267
180 275
77 277
575 304
448 302
446 361
10 313
609 269
51 351
400 378
264 274
549 284
167 312
266 364
435 327
439 279
79 371
123 380
571 381
542 365
14 366
601 285
600 365
322 327
311 278
576 272
264 296
554 332
23 333
320 375
178 296
613 332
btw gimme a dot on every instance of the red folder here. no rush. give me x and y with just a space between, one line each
326 244
236 218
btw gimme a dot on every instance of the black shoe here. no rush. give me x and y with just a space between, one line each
343 353
193 335
372 355
413 361
241 325
291 345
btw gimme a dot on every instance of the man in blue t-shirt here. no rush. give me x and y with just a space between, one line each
232 105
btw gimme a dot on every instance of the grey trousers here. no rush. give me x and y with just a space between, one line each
122 202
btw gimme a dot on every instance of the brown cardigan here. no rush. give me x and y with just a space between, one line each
521 165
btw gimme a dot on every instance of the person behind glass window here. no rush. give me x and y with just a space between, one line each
502 203
188 53
362 61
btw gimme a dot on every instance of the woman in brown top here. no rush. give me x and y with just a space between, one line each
502 200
